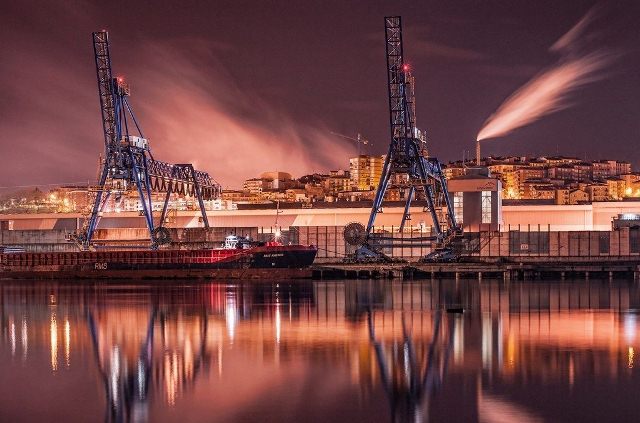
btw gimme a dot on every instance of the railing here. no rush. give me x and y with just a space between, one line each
509 241
538 241
129 257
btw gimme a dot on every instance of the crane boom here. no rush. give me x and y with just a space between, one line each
105 79
401 118
359 139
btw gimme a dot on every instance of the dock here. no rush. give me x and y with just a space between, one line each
512 270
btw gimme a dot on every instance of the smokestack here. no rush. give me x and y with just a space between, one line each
477 152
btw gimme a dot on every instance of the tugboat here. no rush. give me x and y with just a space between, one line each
237 258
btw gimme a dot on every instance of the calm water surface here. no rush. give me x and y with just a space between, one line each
354 351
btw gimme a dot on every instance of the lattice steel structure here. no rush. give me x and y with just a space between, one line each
406 166
180 174
128 160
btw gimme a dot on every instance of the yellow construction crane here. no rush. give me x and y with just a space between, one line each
359 139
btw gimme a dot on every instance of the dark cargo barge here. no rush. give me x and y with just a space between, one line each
269 261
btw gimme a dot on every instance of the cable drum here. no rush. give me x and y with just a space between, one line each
161 236
355 234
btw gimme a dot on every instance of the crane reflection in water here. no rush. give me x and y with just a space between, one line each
368 350
172 351
410 376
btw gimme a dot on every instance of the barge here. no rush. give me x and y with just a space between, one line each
238 258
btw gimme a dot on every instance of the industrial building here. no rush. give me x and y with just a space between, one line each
477 200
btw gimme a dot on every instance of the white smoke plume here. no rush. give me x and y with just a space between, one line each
549 91
569 40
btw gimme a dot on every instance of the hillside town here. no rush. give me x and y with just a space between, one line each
525 180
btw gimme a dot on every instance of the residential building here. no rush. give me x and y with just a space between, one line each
598 192
337 181
562 196
255 185
617 188
365 172
578 196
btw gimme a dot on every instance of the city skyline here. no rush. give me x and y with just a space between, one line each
204 86
556 180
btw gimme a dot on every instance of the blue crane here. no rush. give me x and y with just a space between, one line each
407 166
128 162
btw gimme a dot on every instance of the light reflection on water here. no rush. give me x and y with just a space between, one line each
320 351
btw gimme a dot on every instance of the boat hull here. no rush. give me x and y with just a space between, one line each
281 262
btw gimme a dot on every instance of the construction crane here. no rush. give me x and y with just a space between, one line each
406 166
359 140
128 163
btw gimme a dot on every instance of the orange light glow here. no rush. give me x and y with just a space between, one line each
53 330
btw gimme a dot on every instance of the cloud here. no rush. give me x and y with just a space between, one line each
188 104
50 127
549 91
198 114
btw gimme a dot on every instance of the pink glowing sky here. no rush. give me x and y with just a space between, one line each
243 87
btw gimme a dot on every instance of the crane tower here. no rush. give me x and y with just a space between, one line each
128 163
406 166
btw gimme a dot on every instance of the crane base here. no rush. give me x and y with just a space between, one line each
368 254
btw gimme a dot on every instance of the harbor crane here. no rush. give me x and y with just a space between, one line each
128 163
407 166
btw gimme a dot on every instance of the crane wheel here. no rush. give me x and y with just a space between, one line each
161 236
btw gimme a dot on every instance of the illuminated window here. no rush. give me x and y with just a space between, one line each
486 206
457 206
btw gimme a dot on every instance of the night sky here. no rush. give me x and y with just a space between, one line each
241 87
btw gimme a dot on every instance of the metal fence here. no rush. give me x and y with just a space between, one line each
510 241
535 241
331 244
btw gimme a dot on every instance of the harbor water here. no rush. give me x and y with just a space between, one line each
340 351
